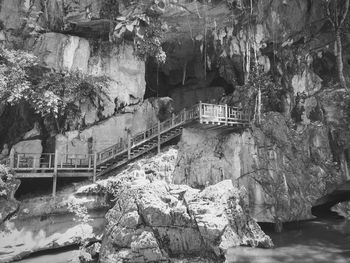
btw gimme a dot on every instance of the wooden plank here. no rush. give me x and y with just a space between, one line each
33 175
54 181
75 174
158 143
95 166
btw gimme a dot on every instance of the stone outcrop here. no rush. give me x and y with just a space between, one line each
32 148
284 171
125 72
110 131
154 221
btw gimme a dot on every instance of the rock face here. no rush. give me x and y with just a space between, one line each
125 72
284 171
154 221
109 132
32 148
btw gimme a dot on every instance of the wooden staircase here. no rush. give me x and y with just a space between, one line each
137 151
56 164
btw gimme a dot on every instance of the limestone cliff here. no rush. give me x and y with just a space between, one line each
284 171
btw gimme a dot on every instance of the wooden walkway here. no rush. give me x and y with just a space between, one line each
54 165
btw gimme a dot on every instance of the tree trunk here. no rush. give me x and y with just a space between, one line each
339 55
344 165
259 105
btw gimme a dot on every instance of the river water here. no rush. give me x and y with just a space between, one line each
317 241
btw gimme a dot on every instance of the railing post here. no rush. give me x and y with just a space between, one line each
54 183
158 136
129 146
200 112
12 159
185 112
226 114
95 167
172 119
18 159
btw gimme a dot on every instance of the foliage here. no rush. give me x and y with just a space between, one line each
53 95
5 177
271 93
146 32
31 25
80 210
14 77
59 95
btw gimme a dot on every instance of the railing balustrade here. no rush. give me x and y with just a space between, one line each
206 113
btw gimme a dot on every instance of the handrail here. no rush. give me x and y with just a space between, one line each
151 133
205 112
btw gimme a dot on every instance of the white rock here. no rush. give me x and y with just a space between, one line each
32 150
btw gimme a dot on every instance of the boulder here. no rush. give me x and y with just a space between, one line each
153 222
32 150
35 132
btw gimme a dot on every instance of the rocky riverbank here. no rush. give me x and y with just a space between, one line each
151 220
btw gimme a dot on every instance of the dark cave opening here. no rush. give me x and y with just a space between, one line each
34 187
186 89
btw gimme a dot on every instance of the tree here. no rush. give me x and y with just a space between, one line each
53 95
337 12
59 95
260 94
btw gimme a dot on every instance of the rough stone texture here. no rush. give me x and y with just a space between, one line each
207 157
307 82
44 223
154 221
32 148
62 52
109 132
35 132
8 187
125 72
284 171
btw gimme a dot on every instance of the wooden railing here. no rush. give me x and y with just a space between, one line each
55 162
147 135
49 161
223 114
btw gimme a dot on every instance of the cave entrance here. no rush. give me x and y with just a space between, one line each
34 187
323 206
185 90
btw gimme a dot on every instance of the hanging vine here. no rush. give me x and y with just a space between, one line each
146 33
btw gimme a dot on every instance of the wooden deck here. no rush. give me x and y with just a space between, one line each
54 165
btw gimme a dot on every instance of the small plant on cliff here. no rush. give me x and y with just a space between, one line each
5 177
146 33
260 94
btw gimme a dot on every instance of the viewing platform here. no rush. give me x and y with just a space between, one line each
54 165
